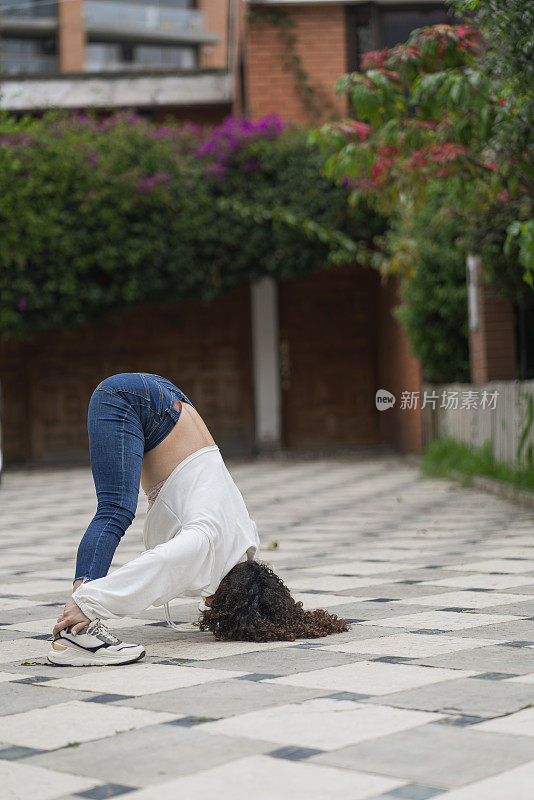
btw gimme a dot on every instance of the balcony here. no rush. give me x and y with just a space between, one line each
27 9
112 20
150 89
28 18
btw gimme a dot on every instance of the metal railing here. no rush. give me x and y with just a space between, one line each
21 65
152 17
28 10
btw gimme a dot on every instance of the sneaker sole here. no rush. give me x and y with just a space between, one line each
72 658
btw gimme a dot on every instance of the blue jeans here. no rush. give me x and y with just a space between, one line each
129 414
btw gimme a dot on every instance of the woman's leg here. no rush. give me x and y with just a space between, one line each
140 426
116 445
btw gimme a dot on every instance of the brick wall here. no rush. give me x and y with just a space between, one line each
492 347
398 370
328 328
203 347
320 32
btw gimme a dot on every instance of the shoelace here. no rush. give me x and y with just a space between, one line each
98 628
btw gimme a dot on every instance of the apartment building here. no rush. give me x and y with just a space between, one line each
163 57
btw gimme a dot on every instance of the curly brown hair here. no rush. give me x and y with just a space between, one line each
253 604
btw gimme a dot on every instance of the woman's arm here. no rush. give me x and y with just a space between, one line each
154 578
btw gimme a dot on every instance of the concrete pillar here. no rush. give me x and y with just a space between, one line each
266 367
492 346
71 38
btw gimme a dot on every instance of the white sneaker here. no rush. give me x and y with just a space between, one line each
94 645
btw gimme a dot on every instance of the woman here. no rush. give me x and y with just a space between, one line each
200 539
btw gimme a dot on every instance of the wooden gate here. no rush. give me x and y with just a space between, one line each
328 342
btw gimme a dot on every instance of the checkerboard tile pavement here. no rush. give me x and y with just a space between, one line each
430 693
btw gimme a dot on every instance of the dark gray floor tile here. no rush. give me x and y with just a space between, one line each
435 755
493 658
468 696
150 755
223 698
107 790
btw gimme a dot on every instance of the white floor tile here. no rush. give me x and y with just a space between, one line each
496 565
529 678
482 581
520 724
14 558
65 572
466 599
22 648
56 726
363 567
322 723
204 651
267 778
441 620
143 679
31 587
21 781
5 677
410 645
311 601
329 584
371 677
8 604
507 552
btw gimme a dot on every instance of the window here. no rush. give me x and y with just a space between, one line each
23 55
168 3
397 25
152 56
372 26
105 56
102 56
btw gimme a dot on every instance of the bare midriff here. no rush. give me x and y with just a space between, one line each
188 435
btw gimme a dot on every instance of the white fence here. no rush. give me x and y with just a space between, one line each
500 412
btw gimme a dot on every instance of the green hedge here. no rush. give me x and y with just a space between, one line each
99 216
429 246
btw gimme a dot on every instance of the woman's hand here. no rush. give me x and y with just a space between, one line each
72 618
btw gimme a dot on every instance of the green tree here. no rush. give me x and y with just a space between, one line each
428 111
508 58
434 297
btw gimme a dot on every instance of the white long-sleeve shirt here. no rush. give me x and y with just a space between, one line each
196 531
